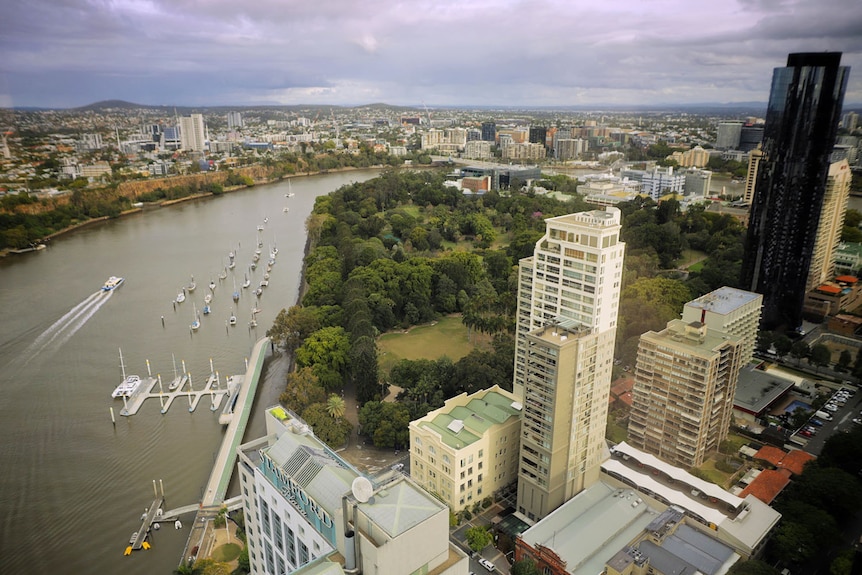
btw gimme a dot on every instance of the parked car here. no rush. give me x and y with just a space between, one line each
816 422
831 407
805 433
487 564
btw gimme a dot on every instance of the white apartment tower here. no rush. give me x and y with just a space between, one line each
193 132
568 298
831 223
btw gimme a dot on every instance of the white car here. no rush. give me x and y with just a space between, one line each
831 407
487 564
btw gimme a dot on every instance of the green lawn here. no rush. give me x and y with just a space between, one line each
446 337
226 553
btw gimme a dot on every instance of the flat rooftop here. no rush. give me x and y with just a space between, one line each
724 300
756 390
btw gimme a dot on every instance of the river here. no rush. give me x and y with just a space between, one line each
73 485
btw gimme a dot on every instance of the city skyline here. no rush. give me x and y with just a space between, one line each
539 54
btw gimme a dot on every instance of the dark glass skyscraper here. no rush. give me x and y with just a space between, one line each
801 125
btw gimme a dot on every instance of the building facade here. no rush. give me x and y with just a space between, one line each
193 132
728 135
568 296
801 124
831 224
467 449
682 400
304 504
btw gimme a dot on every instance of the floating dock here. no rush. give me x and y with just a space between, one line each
153 514
151 388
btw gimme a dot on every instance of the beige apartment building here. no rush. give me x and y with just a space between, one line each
685 379
568 296
831 224
731 311
467 449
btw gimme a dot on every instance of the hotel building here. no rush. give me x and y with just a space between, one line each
308 510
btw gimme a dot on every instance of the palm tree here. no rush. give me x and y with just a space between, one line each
335 406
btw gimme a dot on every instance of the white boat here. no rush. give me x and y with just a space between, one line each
212 285
235 291
252 323
285 209
223 274
264 283
232 319
231 265
129 385
246 283
206 310
258 292
192 285
181 297
255 310
196 322
260 228
113 283
208 298
265 220
179 380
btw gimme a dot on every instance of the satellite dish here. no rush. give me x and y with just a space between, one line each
362 489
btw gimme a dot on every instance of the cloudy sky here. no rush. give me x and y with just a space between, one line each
67 53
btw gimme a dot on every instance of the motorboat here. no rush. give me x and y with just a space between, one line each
232 319
285 209
129 386
196 322
212 285
113 283
192 285
264 283
258 292
260 228
208 299
181 297
206 310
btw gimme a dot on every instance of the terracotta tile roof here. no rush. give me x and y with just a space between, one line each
829 289
795 461
847 279
771 454
622 385
767 485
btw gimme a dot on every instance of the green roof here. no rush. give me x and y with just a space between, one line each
475 419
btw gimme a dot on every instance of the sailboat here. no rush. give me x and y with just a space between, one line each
208 299
181 297
223 274
289 193
247 282
232 319
212 285
235 291
192 285
196 323
253 321
179 380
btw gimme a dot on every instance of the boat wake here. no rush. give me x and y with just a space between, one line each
64 328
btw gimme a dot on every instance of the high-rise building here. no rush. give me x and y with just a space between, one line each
730 311
682 400
234 120
568 296
801 125
850 121
489 131
750 137
754 158
538 135
831 225
728 135
193 132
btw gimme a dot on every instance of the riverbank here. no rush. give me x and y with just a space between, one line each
167 203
